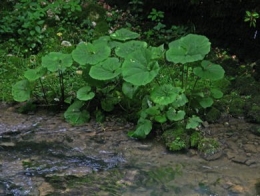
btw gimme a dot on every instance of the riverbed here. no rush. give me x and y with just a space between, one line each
42 155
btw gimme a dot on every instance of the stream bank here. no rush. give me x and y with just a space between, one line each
41 154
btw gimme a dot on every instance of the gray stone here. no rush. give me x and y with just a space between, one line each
251 148
239 159
250 162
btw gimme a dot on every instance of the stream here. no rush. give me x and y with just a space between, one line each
42 155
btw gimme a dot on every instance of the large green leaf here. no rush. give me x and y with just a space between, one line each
21 91
187 49
106 70
85 94
91 81
143 128
209 70
139 69
75 115
124 34
124 49
55 61
175 115
34 74
180 100
87 53
165 94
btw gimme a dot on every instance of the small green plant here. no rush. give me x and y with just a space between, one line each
156 16
159 33
251 17
136 7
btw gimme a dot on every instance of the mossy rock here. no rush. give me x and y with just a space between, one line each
237 107
213 115
253 114
246 85
209 149
195 139
255 129
176 139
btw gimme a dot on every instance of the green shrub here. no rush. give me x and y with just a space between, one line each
168 86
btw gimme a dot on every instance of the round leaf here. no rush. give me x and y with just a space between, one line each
55 61
124 49
85 93
216 93
174 115
124 34
106 70
91 53
165 94
209 70
74 115
188 49
34 74
206 102
138 69
21 91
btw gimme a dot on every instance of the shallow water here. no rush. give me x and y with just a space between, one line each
40 154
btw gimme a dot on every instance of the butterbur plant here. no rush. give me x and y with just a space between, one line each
53 66
165 87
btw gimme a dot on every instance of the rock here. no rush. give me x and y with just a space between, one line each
239 159
45 189
255 129
250 162
251 148
7 144
230 155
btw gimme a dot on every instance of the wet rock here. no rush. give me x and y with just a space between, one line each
250 162
237 189
239 159
230 155
45 189
7 144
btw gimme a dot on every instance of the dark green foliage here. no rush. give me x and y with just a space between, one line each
212 115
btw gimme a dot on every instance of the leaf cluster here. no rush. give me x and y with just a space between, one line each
160 86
